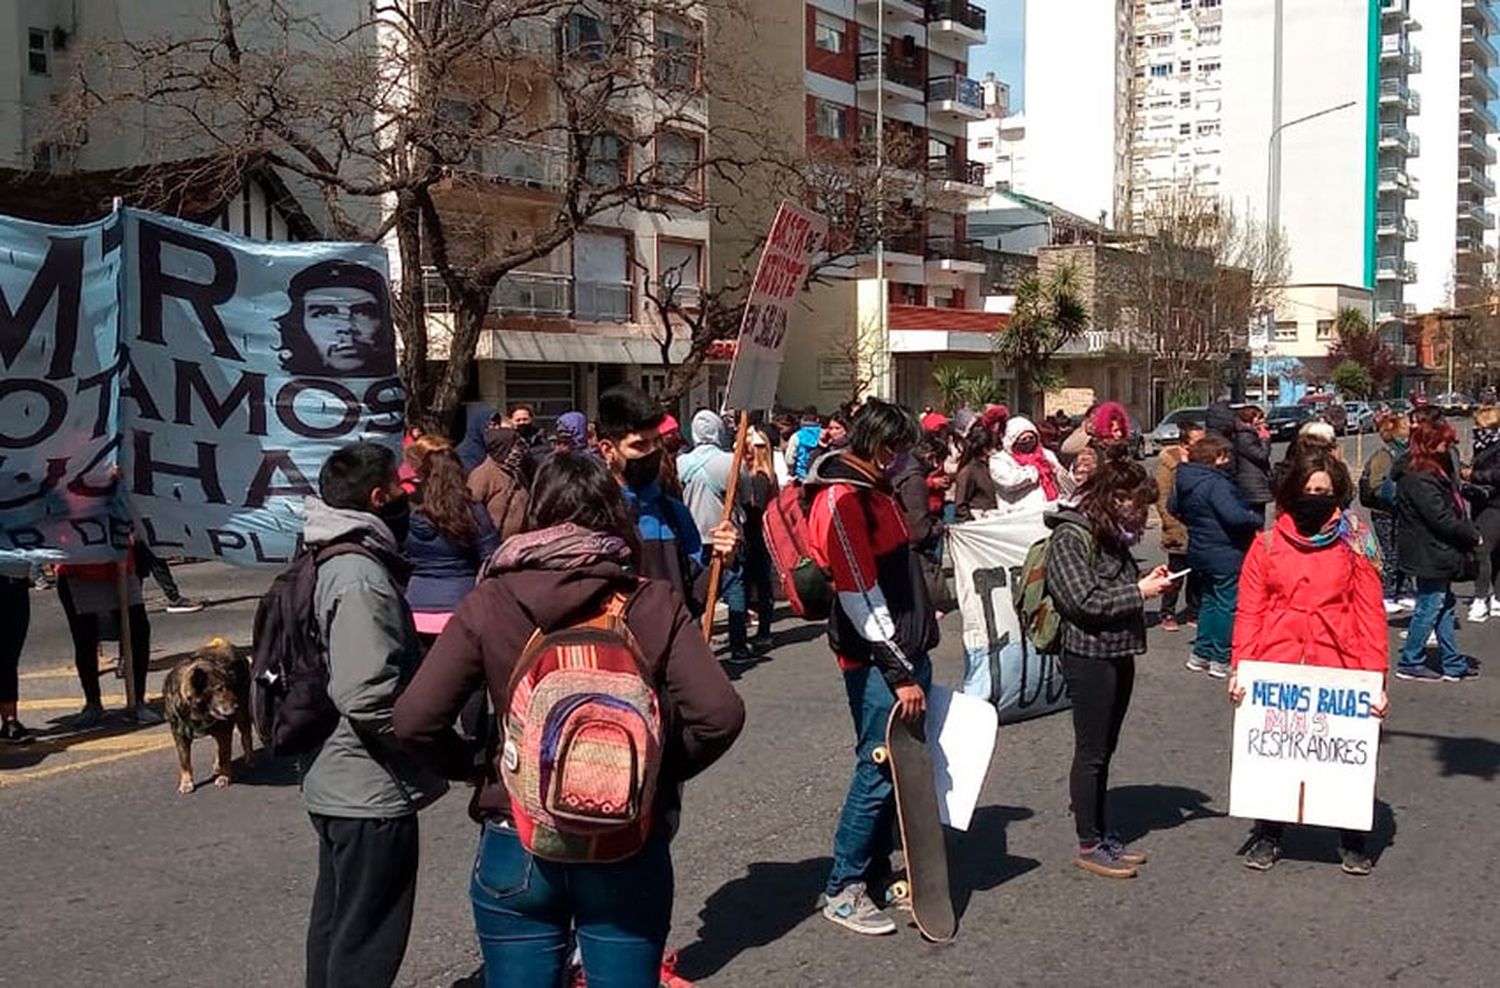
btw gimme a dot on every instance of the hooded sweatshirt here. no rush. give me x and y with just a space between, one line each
882 615
500 483
802 448
702 714
573 429
470 449
704 473
372 654
1020 484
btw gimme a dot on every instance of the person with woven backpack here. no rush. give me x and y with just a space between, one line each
1100 596
610 700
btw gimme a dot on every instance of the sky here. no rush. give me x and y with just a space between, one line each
1002 54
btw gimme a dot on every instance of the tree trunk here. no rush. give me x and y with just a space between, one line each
468 322
410 313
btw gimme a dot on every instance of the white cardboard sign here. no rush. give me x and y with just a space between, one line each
962 732
1305 745
796 237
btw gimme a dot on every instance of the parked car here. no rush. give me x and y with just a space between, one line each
1361 416
1331 412
1285 420
1166 432
1454 403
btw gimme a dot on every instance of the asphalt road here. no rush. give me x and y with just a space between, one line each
111 877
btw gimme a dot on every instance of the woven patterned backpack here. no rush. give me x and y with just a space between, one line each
583 741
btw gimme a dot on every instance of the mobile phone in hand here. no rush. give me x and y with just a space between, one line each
1174 577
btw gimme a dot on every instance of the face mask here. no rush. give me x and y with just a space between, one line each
1130 536
526 432
1310 512
396 513
643 471
1026 444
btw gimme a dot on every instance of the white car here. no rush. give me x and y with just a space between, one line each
1361 416
1166 432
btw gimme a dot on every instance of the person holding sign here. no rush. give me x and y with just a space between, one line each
1310 594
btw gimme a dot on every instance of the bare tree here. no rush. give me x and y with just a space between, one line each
402 118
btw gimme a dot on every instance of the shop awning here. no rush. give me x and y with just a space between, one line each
576 348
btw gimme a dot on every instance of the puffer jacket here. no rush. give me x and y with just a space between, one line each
1252 465
443 571
1434 538
1219 525
1094 586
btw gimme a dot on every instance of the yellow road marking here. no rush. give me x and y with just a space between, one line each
70 702
155 742
64 672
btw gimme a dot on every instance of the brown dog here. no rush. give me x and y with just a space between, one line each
208 694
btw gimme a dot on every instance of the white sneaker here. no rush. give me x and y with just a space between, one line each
1479 610
1392 608
1494 607
1408 603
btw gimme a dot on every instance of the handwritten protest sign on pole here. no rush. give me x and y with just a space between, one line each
796 237
1304 745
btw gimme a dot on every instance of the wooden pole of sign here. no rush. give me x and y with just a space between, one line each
128 658
731 490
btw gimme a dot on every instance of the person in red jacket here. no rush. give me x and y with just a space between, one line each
1310 594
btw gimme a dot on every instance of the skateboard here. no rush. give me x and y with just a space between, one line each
909 759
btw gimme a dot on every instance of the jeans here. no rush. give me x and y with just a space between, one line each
732 591
15 604
1100 690
863 840
526 911
1216 618
1177 561
362 905
1435 607
1392 579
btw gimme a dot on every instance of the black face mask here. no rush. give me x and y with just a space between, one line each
1310 512
1025 444
527 432
396 513
643 471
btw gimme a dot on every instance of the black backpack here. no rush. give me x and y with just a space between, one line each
289 698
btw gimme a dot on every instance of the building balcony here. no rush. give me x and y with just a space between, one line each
1395 92
1474 78
1395 180
1477 112
1393 10
1396 137
898 10
1473 42
951 254
1475 213
1393 224
1091 342
1394 47
1391 268
602 301
535 166
1476 178
1475 145
903 79
955 22
956 97
953 174
537 294
1481 14
1465 246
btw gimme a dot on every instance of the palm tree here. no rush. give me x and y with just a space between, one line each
1048 315
949 381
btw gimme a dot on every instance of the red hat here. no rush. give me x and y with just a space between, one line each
668 424
933 421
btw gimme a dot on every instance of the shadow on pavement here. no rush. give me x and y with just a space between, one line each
756 909
475 980
977 859
58 737
1479 757
1321 844
266 771
1140 810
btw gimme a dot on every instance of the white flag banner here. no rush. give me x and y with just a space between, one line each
999 662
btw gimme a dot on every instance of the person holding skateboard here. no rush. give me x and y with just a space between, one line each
1101 600
881 629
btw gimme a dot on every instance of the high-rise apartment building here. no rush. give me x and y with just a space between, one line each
1455 211
827 71
997 143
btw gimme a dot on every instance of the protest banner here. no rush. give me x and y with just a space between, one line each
1305 745
212 374
1000 664
795 238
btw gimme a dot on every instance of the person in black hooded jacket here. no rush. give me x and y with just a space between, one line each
1252 459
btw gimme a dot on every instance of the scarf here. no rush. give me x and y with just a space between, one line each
565 546
1038 458
1344 527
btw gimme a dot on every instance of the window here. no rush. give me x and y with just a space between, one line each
1325 329
679 271
678 157
1210 34
1209 66
36 51
828 34
829 120
677 54
1204 3
1161 40
1185 67
1286 332
1208 128
601 280
1161 71
1184 128
1185 99
585 36
985 144
867 128
606 162
868 43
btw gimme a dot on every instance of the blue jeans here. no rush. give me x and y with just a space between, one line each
864 836
1216 618
732 591
1435 607
526 912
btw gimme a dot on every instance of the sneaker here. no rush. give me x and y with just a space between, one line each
86 718
1353 862
1102 860
1263 854
14 732
853 910
1458 677
744 658
184 605
143 715
1479 610
1408 603
1494 606
1132 856
1218 670
1169 623
1418 674
1393 607
1196 664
